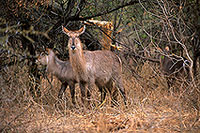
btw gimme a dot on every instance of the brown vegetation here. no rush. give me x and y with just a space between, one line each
29 99
148 110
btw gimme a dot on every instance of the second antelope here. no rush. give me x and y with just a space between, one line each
100 68
173 66
62 70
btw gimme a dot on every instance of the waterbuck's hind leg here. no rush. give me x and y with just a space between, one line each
62 89
91 86
170 83
114 95
120 87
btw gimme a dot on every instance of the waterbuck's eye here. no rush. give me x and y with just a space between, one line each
77 42
70 40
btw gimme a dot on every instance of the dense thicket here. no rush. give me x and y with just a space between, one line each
140 28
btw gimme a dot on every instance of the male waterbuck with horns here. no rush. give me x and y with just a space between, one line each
173 66
100 68
62 70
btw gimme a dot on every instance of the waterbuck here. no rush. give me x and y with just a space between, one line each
62 70
101 68
173 66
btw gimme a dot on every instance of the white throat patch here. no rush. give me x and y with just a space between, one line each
47 59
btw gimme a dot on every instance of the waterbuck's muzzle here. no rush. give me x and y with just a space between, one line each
73 47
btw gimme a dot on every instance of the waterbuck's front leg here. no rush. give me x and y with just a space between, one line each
82 86
62 89
72 91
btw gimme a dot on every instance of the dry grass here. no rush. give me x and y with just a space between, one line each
151 108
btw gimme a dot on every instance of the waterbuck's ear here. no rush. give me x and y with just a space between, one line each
81 30
65 30
38 57
167 48
48 50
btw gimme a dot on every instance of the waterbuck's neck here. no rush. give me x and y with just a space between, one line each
78 62
53 65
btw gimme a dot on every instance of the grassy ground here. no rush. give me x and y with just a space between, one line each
151 106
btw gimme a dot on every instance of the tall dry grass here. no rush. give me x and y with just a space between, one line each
152 107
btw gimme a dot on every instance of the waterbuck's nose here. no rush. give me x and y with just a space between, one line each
73 47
